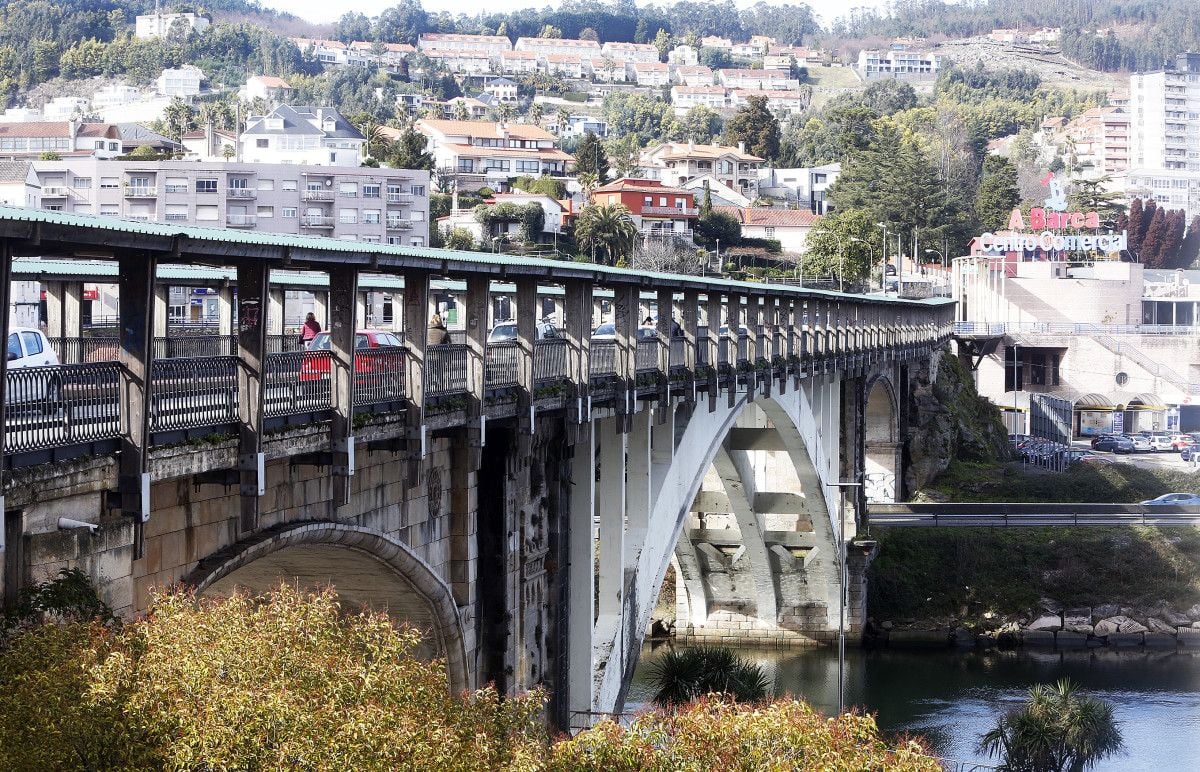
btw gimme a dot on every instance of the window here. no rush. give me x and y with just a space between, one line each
53 207
417 216
206 213
266 184
348 189
681 203
206 186
370 190
239 183
14 346
265 211
418 190
371 216
769 231
289 213
417 241
109 183
109 210
348 216
527 166
348 237
83 182
647 200
33 343
177 185
288 185
371 239
262 143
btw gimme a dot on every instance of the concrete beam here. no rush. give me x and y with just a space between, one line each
581 555
612 517
754 439
741 493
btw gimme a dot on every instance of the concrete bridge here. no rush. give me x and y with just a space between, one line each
519 501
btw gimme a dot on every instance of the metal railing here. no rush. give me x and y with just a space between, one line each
47 407
550 360
192 346
446 369
1031 515
501 368
647 355
379 375
277 344
677 357
190 393
74 351
1071 328
602 361
296 382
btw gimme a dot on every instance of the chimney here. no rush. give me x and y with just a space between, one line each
691 145
742 147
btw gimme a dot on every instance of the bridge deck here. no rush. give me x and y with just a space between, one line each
951 515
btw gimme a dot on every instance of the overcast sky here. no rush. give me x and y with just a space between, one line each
325 11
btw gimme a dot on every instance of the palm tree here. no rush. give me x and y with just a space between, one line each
1057 730
682 675
608 227
536 113
505 112
460 111
588 181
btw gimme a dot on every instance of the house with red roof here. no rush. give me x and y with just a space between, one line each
657 209
790 227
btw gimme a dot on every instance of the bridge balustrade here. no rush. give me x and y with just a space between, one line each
502 365
191 393
379 372
550 360
48 407
647 355
445 370
603 360
296 382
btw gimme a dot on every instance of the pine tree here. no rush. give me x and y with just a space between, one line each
756 125
1152 243
1189 251
1134 226
706 202
1172 238
590 157
998 194
1149 208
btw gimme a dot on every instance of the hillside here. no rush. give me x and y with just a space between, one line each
1052 67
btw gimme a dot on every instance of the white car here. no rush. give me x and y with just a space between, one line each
1161 442
29 348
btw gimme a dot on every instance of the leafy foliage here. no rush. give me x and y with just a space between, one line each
531 216
757 126
997 194
683 675
608 228
1056 730
840 245
718 227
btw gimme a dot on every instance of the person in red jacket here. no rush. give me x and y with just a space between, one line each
309 330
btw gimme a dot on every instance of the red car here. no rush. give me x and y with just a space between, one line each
316 365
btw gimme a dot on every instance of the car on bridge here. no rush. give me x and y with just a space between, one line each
1113 442
30 350
315 366
1174 500
506 332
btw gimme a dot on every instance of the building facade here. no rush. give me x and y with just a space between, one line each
483 153
657 209
302 135
900 63
160 25
677 162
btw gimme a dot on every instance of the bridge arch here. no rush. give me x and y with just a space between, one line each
881 441
364 566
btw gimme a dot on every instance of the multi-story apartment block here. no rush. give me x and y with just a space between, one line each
898 63
1171 188
302 135
693 75
488 44
568 65
517 62
482 153
684 98
160 25
577 126
773 80
650 73
324 51
544 46
65 108
631 52
66 138
389 206
1164 108
778 102
605 69
114 95
462 62
1100 138
180 81
677 162
805 186
684 56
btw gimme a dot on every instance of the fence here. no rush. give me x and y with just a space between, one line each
190 393
550 360
602 361
501 365
446 369
379 375
647 355
48 407
296 382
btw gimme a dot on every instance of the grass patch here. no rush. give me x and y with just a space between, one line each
1089 483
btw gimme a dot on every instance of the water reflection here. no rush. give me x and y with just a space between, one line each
952 698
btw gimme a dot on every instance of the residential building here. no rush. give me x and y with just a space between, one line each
677 162
758 79
1008 36
657 209
755 48
630 52
655 74
210 144
605 69
266 87
805 186
1172 188
899 63
349 203
494 45
160 25
465 219
115 94
568 65
697 75
301 135
779 62
475 109
65 108
67 138
719 194
135 135
714 41
517 62
502 90
545 46
19 184
1046 35
1099 138
20 115
180 81
324 51
790 227
483 153
577 126
462 62
779 102
684 56
1163 107
684 98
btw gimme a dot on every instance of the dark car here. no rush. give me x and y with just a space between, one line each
1113 443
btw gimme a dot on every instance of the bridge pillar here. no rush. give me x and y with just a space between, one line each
8 584
527 326
63 300
665 324
625 304
712 342
733 337
578 323
253 278
612 519
638 499
225 300
162 299
416 340
475 316
277 304
343 285
138 321
581 570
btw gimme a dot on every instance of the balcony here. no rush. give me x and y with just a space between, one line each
399 198
175 217
398 225
671 211
54 191
240 220
141 192
664 233
242 193
316 221
318 195
176 188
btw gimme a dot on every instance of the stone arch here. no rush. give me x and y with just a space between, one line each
881 446
365 566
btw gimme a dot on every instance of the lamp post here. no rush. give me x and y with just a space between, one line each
842 582
871 251
883 275
938 252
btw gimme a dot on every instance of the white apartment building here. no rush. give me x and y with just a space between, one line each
19 185
1172 188
462 62
683 55
115 95
898 63
544 46
577 126
502 90
67 138
1164 108
302 135
674 163
324 51
159 25
684 98
483 153
605 69
65 108
803 186
180 82
20 115
653 74
382 206
266 87
631 52
517 62
493 45
771 80
692 75
568 65
778 102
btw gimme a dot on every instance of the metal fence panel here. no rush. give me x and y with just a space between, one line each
296 382
50 407
193 392
550 360
379 374
603 359
446 369
501 365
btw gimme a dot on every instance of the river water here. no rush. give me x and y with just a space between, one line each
951 698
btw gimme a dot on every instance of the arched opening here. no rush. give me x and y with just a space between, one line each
364 567
881 452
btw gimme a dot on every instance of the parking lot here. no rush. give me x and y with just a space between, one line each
1152 460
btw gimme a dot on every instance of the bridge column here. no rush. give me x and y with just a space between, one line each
612 519
712 321
63 300
578 324
162 299
527 325
665 323
225 300
689 317
343 288
8 589
137 316
321 309
276 306
763 317
253 280
416 339
625 304
476 322
581 555
733 334
638 470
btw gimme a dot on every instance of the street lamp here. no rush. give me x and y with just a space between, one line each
938 252
843 580
871 252
883 276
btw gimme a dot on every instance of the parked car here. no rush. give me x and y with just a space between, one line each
1181 441
1175 500
1187 451
1098 438
315 368
28 348
1140 444
608 331
506 332
1079 456
1114 443
1160 442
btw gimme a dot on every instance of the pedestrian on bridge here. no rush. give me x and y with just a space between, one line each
437 331
309 330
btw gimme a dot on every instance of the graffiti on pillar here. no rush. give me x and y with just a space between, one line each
880 487
248 315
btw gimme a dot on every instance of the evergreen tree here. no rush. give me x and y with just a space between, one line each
1189 251
1152 242
1092 196
1149 207
757 126
409 151
1134 225
641 33
997 194
1173 238
706 202
590 157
